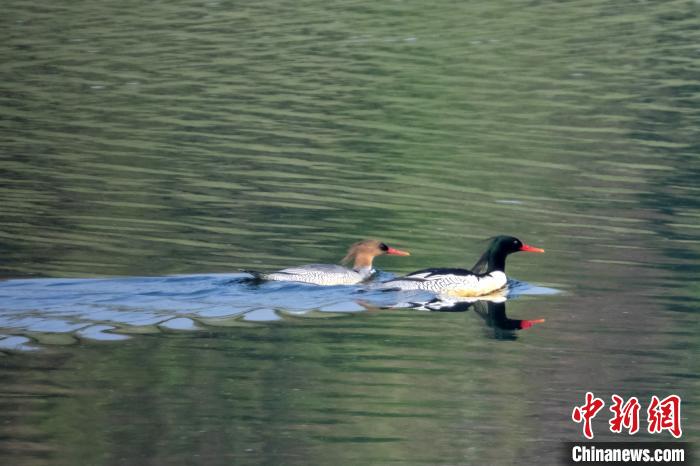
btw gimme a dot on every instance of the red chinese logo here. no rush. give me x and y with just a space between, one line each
661 415
665 415
587 412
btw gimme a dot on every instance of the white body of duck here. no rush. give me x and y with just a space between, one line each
322 274
363 254
457 282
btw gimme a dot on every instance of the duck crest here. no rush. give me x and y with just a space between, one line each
364 253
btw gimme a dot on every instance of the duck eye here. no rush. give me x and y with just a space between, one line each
383 247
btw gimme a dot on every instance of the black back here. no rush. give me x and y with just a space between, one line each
440 271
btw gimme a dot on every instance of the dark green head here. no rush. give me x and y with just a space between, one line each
494 258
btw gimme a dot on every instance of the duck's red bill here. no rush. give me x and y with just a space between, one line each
397 252
529 323
528 248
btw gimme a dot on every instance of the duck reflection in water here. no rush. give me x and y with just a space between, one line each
491 309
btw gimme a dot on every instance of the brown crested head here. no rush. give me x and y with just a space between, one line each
365 251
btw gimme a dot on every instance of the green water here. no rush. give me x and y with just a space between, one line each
199 137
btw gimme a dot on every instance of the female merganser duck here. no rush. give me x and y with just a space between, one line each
487 275
364 253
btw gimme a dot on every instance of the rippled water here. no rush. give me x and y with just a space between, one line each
81 308
169 145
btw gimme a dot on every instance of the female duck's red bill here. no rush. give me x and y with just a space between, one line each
397 252
528 248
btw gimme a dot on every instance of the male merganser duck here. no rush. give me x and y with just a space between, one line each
364 253
487 275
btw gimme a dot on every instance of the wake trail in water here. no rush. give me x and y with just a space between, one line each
93 308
